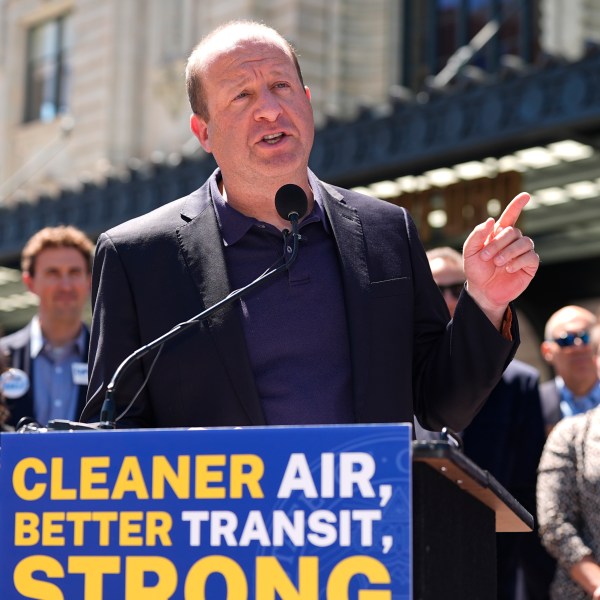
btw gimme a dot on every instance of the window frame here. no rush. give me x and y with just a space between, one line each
53 89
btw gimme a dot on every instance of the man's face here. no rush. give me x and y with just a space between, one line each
260 125
449 278
62 283
575 361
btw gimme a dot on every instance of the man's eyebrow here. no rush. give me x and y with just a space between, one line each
243 77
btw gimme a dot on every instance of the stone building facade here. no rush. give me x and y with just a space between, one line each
123 62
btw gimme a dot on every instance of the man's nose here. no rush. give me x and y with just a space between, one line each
268 106
66 279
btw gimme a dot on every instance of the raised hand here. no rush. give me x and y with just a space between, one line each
499 261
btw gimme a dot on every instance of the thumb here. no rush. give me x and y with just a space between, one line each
478 238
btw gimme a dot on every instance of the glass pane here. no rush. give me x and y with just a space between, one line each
45 39
447 30
511 28
66 33
64 92
44 78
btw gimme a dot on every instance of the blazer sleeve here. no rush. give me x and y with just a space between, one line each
457 362
114 335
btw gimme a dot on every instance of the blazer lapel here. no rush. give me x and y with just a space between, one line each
349 238
81 398
202 246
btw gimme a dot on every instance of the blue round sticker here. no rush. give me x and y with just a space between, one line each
14 383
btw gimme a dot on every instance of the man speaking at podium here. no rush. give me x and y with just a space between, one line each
355 331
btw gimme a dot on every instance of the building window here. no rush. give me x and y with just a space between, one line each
48 69
435 29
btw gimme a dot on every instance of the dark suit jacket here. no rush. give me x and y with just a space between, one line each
506 438
507 435
16 348
550 397
162 268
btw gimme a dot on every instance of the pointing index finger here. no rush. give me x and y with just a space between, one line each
513 211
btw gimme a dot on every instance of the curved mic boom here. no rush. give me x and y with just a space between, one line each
291 204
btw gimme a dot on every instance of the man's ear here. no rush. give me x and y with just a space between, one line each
547 351
27 280
307 92
199 128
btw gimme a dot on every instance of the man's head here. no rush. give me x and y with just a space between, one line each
251 108
212 44
56 265
567 347
447 269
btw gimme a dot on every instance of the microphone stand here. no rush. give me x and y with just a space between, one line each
107 413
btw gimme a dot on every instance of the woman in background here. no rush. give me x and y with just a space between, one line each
568 497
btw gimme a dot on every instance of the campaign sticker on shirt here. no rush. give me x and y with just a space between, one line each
80 373
14 383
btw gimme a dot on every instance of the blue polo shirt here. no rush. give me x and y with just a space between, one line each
295 325
56 389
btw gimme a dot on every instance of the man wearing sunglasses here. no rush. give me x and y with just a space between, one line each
566 348
505 438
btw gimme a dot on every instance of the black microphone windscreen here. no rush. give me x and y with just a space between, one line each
289 199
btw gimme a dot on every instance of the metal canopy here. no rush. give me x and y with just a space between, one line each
472 121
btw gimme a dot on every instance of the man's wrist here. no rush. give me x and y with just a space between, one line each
496 314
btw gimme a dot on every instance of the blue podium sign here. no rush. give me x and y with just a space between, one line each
266 513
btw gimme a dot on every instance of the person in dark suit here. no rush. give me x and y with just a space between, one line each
47 378
506 438
575 387
354 331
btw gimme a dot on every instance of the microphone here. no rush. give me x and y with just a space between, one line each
291 204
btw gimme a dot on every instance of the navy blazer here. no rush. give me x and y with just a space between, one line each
160 269
506 438
16 348
550 397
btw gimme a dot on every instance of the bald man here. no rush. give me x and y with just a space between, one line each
566 348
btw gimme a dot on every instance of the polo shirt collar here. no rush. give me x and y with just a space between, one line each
38 342
234 224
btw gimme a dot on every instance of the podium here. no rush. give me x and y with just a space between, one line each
457 510
311 513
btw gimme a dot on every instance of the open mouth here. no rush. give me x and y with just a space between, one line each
273 138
